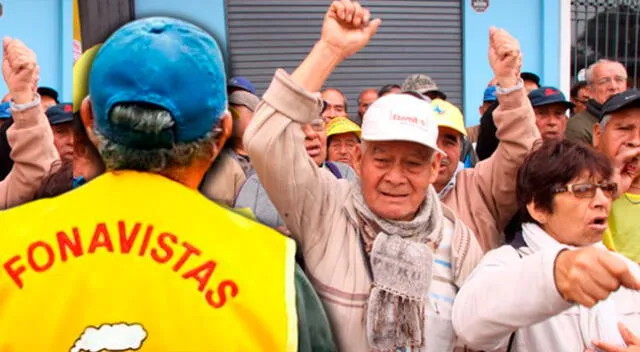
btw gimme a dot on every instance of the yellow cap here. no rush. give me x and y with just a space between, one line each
81 70
448 115
340 125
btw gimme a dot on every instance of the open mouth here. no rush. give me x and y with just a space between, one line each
313 151
599 223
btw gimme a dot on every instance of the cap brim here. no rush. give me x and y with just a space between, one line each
60 121
440 94
567 104
399 139
356 132
450 125
635 102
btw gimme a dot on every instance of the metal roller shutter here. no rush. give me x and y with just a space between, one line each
416 36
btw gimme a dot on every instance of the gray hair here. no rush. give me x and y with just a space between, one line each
152 121
344 97
589 74
605 120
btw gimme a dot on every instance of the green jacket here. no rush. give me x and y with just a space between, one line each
580 127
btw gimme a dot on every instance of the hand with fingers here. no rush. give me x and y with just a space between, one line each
348 27
20 70
504 57
626 167
588 275
632 341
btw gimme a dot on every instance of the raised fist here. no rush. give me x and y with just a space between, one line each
504 57
19 69
347 27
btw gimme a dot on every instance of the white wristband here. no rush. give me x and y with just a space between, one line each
22 107
503 91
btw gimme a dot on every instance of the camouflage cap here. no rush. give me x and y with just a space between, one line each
422 84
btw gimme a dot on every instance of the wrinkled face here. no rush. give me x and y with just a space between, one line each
450 142
551 121
46 102
315 140
581 100
344 148
241 120
336 106
577 221
63 140
621 132
365 100
395 177
530 86
607 79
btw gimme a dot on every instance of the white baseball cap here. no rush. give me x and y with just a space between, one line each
401 117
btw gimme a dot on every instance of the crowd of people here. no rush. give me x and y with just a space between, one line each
194 213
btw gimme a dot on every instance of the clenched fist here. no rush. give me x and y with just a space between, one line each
347 27
20 70
588 275
504 57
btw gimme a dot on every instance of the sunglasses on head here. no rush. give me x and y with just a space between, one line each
588 190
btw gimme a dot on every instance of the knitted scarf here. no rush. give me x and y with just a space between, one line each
401 257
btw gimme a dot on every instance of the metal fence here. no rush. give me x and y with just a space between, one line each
605 29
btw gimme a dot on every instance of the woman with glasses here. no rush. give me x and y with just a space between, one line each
556 287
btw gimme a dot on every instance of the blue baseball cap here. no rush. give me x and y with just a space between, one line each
164 62
242 83
489 94
549 95
60 113
5 111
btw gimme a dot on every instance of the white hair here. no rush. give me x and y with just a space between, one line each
591 68
153 122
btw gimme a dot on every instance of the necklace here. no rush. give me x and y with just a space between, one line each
632 201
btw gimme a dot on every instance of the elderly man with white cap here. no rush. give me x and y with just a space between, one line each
380 245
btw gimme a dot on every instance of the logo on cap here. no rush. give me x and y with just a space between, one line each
549 91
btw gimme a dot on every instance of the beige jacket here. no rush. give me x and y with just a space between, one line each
223 181
484 197
318 209
33 153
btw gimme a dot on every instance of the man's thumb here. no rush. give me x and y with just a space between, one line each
372 28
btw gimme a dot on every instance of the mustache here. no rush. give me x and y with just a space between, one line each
445 161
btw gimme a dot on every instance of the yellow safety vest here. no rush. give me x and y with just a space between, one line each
135 261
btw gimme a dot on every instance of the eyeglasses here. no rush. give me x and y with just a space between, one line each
609 80
318 125
588 190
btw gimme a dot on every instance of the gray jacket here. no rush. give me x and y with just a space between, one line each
252 195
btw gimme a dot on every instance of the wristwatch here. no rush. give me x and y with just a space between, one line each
502 91
22 107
